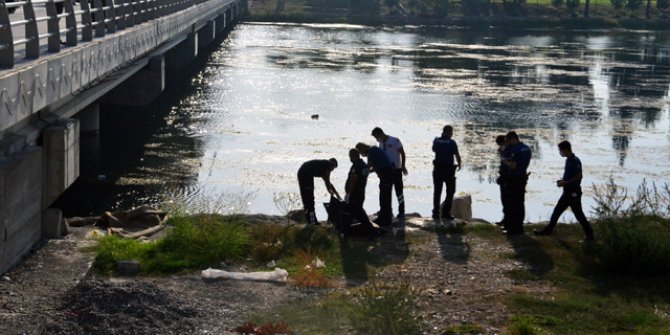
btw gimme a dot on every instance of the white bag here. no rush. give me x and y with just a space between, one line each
278 275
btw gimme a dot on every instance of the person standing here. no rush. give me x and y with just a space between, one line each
379 162
502 176
392 147
308 171
572 193
444 172
516 164
355 191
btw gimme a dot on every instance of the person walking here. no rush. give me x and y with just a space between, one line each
444 172
379 162
308 171
394 150
572 193
516 164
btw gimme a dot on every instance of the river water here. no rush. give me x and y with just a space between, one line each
231 134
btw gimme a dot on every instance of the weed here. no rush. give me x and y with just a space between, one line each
280 328
468 328
522 325
385 310
286 202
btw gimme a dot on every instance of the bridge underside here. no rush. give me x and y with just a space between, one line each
45 106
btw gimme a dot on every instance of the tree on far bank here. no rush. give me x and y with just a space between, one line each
617 4
587 8
633 4
662 4
572 7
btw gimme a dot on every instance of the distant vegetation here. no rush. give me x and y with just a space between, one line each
433 9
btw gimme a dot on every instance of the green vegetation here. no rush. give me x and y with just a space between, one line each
389 11
373 309
465 329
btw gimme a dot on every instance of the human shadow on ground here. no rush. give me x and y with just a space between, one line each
531 252
360 253
452 247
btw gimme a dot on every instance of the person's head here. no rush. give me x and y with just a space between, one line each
334 162
500 140
354 155
512 138
565 148
448 131
362 148
378 133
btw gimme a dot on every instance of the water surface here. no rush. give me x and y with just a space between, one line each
236 134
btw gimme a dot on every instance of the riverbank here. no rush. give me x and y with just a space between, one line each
425 279
476 23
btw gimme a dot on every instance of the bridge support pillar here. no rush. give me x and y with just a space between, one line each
220 23
20 204
61 158
206 35
89 119
142 88
184 53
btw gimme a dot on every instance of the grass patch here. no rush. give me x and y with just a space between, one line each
465 329
375 309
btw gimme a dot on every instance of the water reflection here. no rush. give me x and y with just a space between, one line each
244 124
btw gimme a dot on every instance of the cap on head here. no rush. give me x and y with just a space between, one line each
377 132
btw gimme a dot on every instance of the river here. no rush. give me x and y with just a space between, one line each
231 134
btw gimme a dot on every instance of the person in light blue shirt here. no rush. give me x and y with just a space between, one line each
444 172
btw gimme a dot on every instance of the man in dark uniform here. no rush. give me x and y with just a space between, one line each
572 193
379 162
503 153
444 172
515 189
355 192
306 174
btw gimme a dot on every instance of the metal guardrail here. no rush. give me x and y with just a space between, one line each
93 19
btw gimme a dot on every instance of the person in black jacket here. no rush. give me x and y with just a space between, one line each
308 171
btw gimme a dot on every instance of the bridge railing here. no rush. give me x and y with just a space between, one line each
46 25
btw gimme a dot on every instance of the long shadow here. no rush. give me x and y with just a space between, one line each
452 247
360 253
531 252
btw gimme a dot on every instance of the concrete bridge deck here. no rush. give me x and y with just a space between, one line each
55 70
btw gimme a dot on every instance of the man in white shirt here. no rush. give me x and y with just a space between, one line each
394 151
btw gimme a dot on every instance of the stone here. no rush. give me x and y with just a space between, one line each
461 207
52 223
128 267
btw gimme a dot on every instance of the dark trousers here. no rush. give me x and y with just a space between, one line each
572 199
514 204
385 197
306 184
503 200
443 175
397 184
357 211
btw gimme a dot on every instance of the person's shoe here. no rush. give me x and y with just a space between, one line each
436 216
449 218
499 223
542 232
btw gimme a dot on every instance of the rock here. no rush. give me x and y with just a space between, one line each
297 216
461 207
128 267
5 278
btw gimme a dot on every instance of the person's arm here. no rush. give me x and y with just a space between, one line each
458 161
331 189
351 182
402 156
570 181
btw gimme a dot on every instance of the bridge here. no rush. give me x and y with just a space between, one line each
59 60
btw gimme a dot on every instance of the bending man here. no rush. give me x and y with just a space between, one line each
306 174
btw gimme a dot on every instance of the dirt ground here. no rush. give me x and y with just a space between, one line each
54 292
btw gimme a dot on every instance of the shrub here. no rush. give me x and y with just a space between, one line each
633 231
634 245
662 4
385 310
633 4
617 4
572 7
